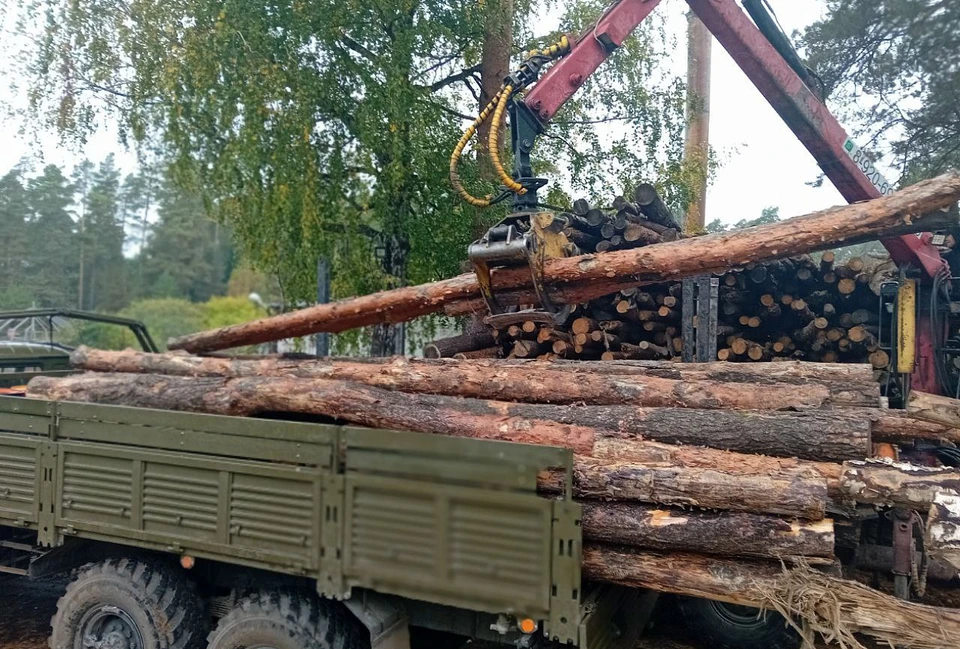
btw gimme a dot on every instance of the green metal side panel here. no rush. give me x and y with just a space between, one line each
449 520
219 508
19 479
24 426
439 519
239 437
27 416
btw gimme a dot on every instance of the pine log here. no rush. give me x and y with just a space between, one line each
831 606
467 342
489 352
897 484
733 534
579 279
934 408
818 435
536 383
899 426
789 492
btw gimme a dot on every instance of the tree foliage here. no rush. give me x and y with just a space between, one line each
893 68
62 242
325 127
767 215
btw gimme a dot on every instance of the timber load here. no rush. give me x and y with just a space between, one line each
799 308
691 475
752 461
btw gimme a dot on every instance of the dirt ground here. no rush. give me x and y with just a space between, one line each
26 608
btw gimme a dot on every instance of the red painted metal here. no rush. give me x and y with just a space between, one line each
804 113
566 76
924 377
797 105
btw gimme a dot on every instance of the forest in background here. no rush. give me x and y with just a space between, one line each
137 245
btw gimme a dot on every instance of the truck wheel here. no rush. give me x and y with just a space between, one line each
128 604
286 620
726 626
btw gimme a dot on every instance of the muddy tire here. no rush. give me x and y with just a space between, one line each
287 620
129 604
725 626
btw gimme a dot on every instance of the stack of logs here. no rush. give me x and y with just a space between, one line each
802 309
709 463
631 324
794 308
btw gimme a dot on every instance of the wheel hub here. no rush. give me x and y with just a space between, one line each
109 627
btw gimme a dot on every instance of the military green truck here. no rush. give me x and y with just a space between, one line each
188 530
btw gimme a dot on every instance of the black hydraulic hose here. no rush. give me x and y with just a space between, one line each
773 33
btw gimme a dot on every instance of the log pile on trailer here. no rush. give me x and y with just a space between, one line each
782 445
713 480
728 469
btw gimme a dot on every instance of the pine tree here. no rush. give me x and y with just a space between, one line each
187 254
138 200
53 254
14 251
106 280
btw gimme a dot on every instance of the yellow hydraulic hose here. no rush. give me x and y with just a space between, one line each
493 144
458 152
497 107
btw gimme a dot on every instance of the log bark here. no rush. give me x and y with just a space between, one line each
467 342
892 484
832 606
789 492
793 372
735 581
943 529
720 533
934 408
579 279
901 426
819 435
537 383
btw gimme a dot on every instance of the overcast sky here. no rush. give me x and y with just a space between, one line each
763 163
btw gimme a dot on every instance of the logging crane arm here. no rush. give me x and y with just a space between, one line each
757 46
753 40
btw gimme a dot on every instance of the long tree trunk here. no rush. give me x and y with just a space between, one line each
831 605
934 408
720 533
494 68
787 492
531 384
818 435
578 279
904 485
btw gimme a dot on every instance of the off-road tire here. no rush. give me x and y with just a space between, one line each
287 620
720 626
159 600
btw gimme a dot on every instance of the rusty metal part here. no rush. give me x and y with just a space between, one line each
519 239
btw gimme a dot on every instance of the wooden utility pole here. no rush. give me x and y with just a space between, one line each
697 151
